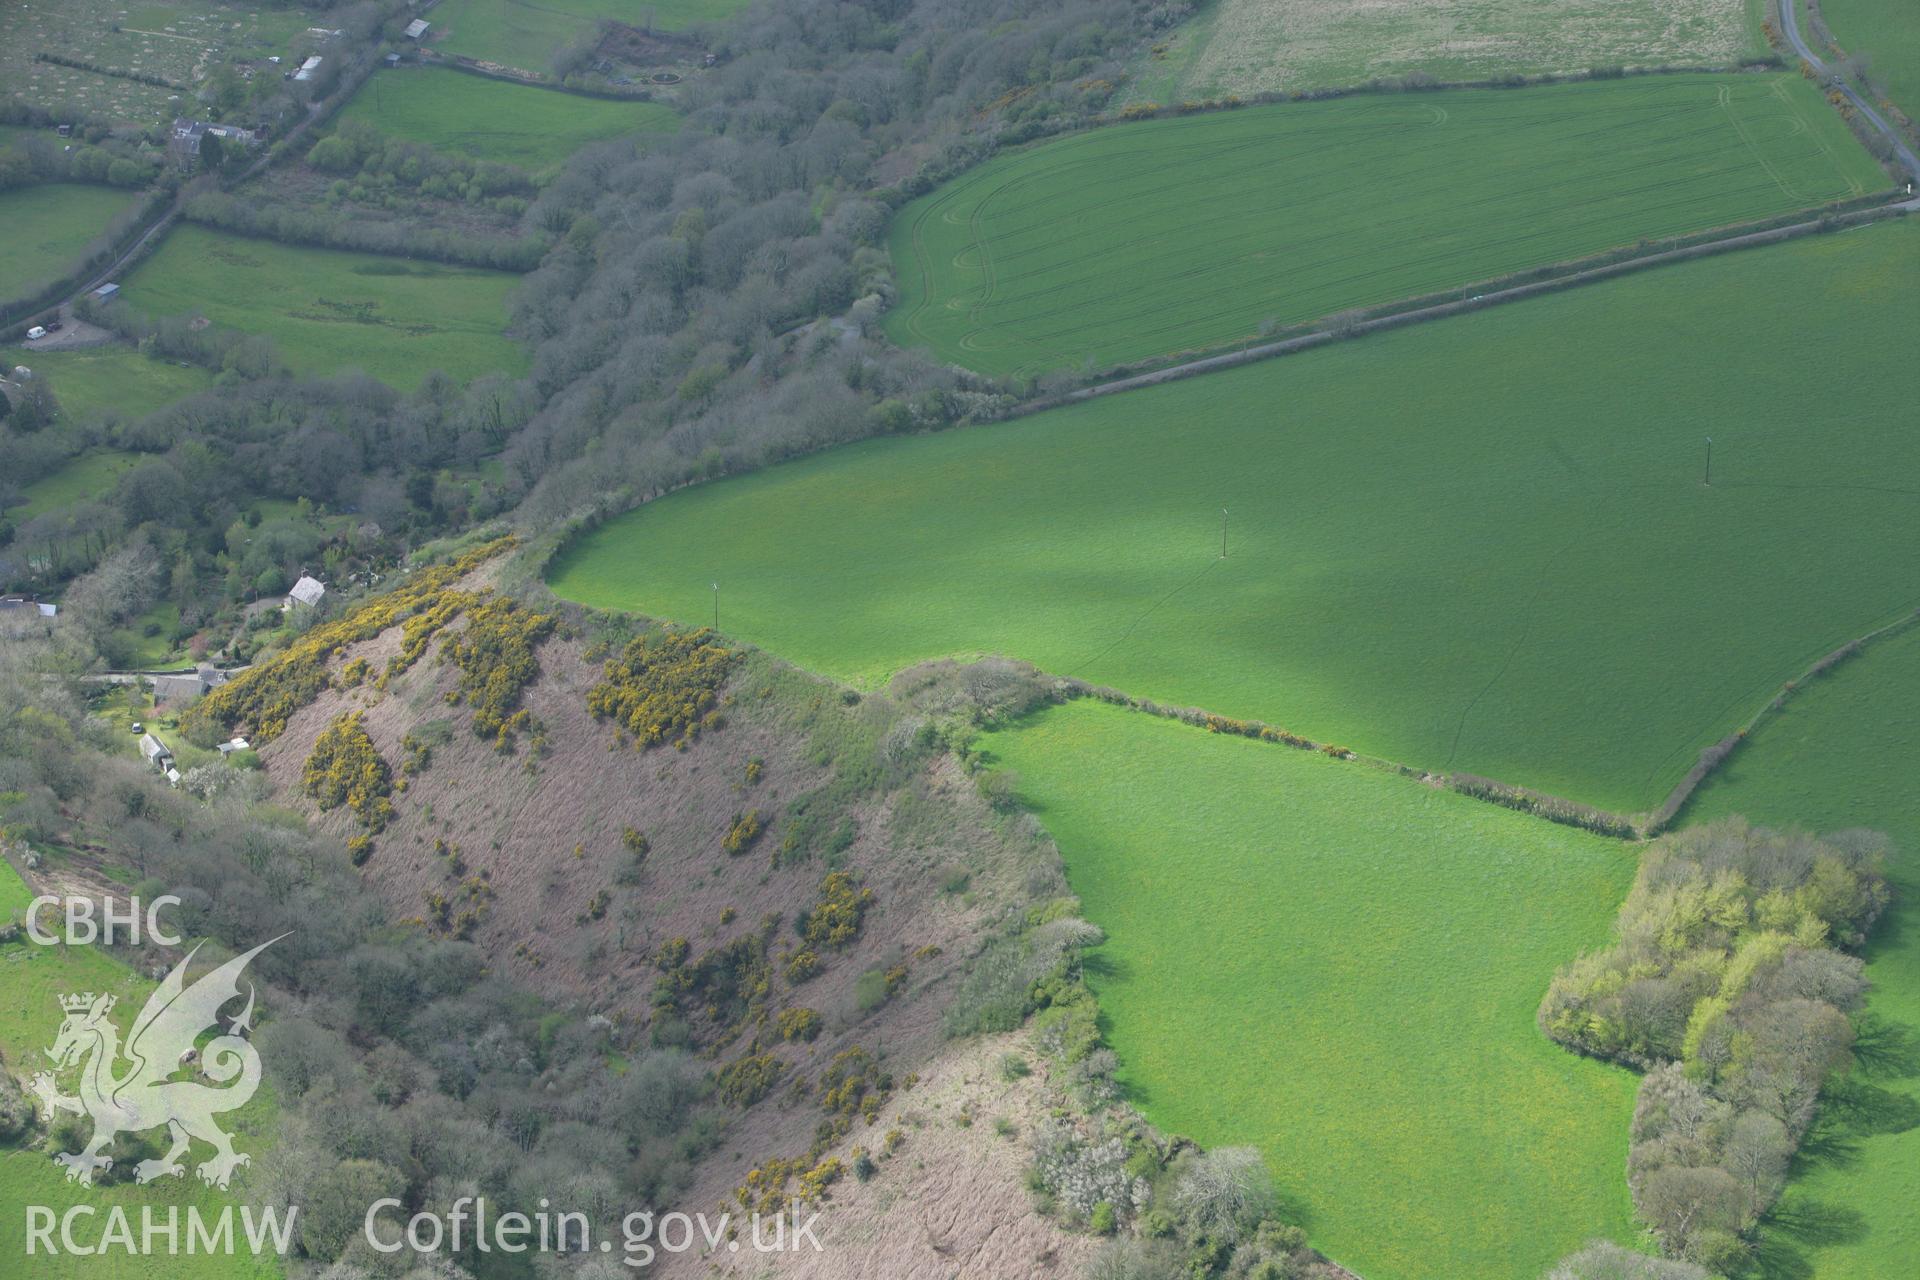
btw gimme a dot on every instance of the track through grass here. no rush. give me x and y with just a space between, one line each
1480 544
1139 240
1341 966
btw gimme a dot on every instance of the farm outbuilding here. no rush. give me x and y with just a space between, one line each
156 752
307 591
106 292
417 28
187 686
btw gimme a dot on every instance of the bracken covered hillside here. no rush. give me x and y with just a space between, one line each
788 881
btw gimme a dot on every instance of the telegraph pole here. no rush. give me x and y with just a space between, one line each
716 606
1709 476
1223 533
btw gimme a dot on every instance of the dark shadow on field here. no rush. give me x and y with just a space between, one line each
1829 1143
1865 1109
1816 1223
1775 1259
1886 1050
1102 965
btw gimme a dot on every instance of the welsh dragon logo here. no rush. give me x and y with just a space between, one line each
155 1087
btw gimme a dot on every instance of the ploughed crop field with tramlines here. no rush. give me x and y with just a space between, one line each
1137 241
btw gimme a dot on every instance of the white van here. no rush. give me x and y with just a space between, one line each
36 332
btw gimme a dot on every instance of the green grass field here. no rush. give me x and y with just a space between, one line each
47 227
115 379
87 476
329 311
32 978
1141 240
1845 753
1341 966
520 34
1887 34
532 128
1453 545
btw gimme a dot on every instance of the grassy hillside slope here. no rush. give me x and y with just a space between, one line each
1845 753
1341 966
1131 242
1454 545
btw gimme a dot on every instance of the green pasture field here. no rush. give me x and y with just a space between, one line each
87 476
1480 544
525 35
1245 47
329 310
1845 753
32 979
47 228
1143 240
1887 34
532 128
1341 967
116 379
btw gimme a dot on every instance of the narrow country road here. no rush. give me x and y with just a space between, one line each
1790 27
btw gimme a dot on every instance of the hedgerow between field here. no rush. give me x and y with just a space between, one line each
1731 983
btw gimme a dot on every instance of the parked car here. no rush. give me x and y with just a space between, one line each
138 727
36 332
55 326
